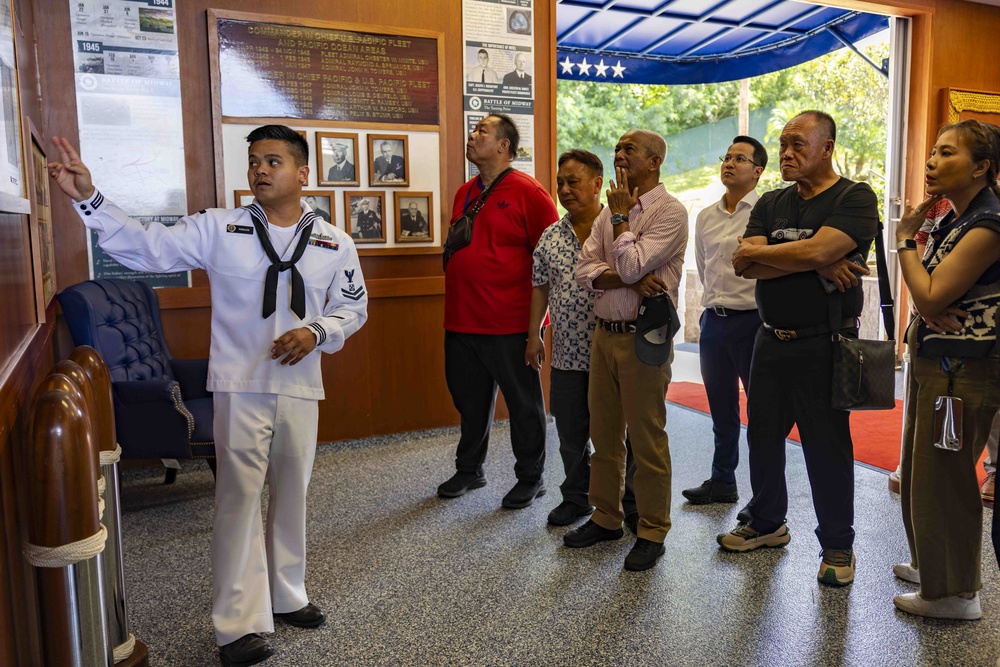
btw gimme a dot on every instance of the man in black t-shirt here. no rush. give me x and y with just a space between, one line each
795 236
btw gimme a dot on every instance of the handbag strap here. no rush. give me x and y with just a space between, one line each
882 273
486 193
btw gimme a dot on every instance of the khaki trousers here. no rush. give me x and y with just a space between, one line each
626 392
942 509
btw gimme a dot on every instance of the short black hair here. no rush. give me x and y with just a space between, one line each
825 120
759 152
507 130
586 158
483 51
297 145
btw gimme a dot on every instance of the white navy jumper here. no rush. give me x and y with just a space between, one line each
265 413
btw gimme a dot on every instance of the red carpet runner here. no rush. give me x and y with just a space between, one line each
876 433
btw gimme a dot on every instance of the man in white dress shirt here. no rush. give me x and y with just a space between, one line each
730 321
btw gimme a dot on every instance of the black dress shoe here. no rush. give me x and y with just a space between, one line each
712 491
567 512
632 521
247 650
644 555
523 494
589 534
309 616
461 482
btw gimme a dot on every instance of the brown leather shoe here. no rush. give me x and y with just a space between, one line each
247 650
988 486
894 481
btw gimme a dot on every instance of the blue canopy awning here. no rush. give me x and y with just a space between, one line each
698 41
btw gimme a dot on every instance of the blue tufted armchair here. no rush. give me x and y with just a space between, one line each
162 409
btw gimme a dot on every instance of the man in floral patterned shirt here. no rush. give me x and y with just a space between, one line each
571 309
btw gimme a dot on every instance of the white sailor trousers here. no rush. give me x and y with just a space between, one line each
260 571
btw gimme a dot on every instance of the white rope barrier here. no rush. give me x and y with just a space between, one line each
67 554
102 486
112 457
123 651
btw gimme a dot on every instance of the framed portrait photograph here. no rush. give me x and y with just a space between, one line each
321 202
364 213
414 217
242 198
337 158
389 160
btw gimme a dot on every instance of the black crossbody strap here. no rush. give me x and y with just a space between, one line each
486 193
882 271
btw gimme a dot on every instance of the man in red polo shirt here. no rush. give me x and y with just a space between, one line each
486 311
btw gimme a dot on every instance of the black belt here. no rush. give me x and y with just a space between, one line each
726 312
617 326
808 332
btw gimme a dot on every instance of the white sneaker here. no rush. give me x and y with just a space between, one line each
955 607
906 572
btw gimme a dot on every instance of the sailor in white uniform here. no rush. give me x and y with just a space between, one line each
284 283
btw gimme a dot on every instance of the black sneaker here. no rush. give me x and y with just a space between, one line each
589 534
523 494
567 512
461 482
712 491
644 555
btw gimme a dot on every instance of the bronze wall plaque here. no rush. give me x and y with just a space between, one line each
273 70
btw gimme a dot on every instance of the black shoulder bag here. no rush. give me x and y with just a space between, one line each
864 371
460 231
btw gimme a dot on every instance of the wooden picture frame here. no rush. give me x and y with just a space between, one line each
43 262
241 198
409 230
964 104
327 143
365 231
322 204
388 160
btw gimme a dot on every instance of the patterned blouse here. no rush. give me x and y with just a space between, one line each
571 307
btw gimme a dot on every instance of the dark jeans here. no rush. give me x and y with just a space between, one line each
568 402
791 385
725 350
474 366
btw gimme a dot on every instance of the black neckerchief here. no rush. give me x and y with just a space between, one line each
277 266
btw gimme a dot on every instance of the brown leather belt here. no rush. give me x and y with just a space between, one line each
617 326
808 332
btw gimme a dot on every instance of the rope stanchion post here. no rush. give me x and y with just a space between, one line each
65 537
102 414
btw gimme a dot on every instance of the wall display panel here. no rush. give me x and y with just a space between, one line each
309 67
12 181
42 248
130 116
498 48
966 104
356 74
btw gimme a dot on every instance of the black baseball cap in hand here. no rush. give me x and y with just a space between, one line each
655 328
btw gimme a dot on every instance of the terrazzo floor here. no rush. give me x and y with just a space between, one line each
410 579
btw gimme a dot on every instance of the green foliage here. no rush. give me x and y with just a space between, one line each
594 115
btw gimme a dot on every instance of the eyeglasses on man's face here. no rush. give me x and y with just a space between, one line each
738 159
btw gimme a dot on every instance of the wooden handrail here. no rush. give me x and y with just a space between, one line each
103 413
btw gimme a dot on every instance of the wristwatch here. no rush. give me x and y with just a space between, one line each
618 218
906 244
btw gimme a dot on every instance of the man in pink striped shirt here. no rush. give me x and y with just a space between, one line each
636 249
